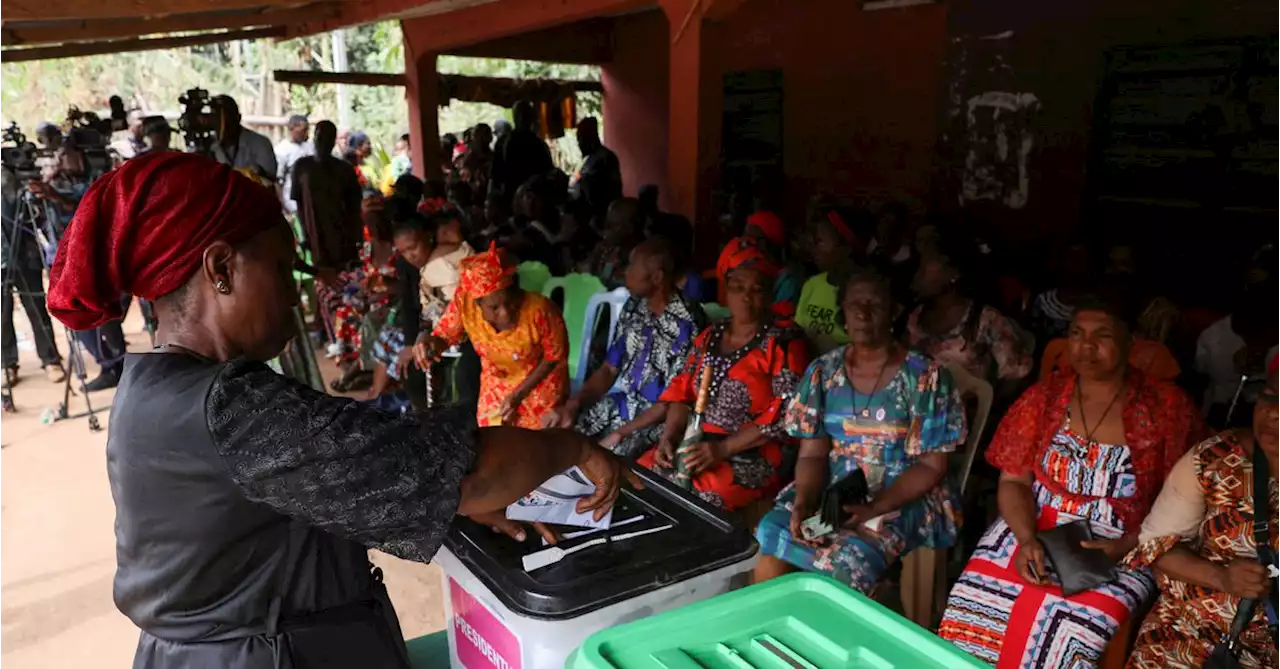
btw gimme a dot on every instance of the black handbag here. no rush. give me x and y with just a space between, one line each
851 489
1078 568
1226 654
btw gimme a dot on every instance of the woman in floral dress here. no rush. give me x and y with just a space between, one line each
953 327
755 360
876 407
519 336
1095 445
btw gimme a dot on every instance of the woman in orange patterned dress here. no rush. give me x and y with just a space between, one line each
1201 540
519 336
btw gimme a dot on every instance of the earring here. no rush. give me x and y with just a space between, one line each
222 287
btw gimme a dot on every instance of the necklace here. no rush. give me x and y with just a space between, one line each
865 412
1084 422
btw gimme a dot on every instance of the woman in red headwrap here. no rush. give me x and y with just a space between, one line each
246 501
767 233
756 359
519 336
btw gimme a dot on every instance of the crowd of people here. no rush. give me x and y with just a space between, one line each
841 356
847 341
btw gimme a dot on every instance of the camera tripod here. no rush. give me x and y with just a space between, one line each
26 222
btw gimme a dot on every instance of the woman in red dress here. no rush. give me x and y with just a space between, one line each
756 360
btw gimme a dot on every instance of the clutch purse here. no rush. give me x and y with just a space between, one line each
851 489
1078 568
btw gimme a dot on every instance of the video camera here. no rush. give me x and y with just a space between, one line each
91 135
18 155
198 121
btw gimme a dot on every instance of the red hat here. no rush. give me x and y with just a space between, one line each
142 230
769 225
486 273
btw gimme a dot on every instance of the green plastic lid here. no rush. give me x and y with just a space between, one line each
801 621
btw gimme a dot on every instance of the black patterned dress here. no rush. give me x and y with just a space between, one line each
245 506
750 385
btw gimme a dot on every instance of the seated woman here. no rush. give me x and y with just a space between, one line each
755 361
874 406
1200 539
361 293
519 336
618 404
836 241
951 325
1095 446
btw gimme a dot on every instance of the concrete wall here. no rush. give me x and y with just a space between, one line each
861 90
635 99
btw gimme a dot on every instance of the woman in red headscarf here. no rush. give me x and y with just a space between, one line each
756 359
767 233
519 336
246 501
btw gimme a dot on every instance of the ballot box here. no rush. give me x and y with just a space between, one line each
664 550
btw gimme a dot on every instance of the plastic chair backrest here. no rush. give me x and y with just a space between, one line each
714 311
615 299
578 289
533 276
971 386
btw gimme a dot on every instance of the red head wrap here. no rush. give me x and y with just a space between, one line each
485 273
841 228
741 255
769 225
142 229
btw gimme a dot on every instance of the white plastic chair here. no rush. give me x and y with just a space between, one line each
924 570
615 299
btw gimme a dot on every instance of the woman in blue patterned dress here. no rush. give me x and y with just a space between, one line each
875 406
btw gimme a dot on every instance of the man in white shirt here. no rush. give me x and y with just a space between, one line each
239 146
1237 346
296 145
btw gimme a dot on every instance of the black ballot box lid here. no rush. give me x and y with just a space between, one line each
701 539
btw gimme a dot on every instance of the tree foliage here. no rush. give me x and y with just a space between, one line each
37 91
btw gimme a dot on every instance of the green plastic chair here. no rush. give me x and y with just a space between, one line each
533 276
715 312
578 290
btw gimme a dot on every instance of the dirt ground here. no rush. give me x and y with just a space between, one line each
57 544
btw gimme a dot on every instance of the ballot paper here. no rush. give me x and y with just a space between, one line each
556 502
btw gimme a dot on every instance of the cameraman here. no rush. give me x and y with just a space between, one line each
64 190
239 146
23 271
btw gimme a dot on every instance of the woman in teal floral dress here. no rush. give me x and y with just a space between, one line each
892 413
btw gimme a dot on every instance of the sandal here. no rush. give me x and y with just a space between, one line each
10 377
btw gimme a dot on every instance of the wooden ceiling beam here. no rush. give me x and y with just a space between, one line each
46 32
76 10
313 77
77 50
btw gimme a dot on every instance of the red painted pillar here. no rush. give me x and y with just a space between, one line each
422 91
684 19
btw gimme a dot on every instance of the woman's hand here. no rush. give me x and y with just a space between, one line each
607 472
428 349
498 522
562 416
507 410
1114 548
403 360
802 510
1243 578
1030 562
611 440
703 456
859 514
665 457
